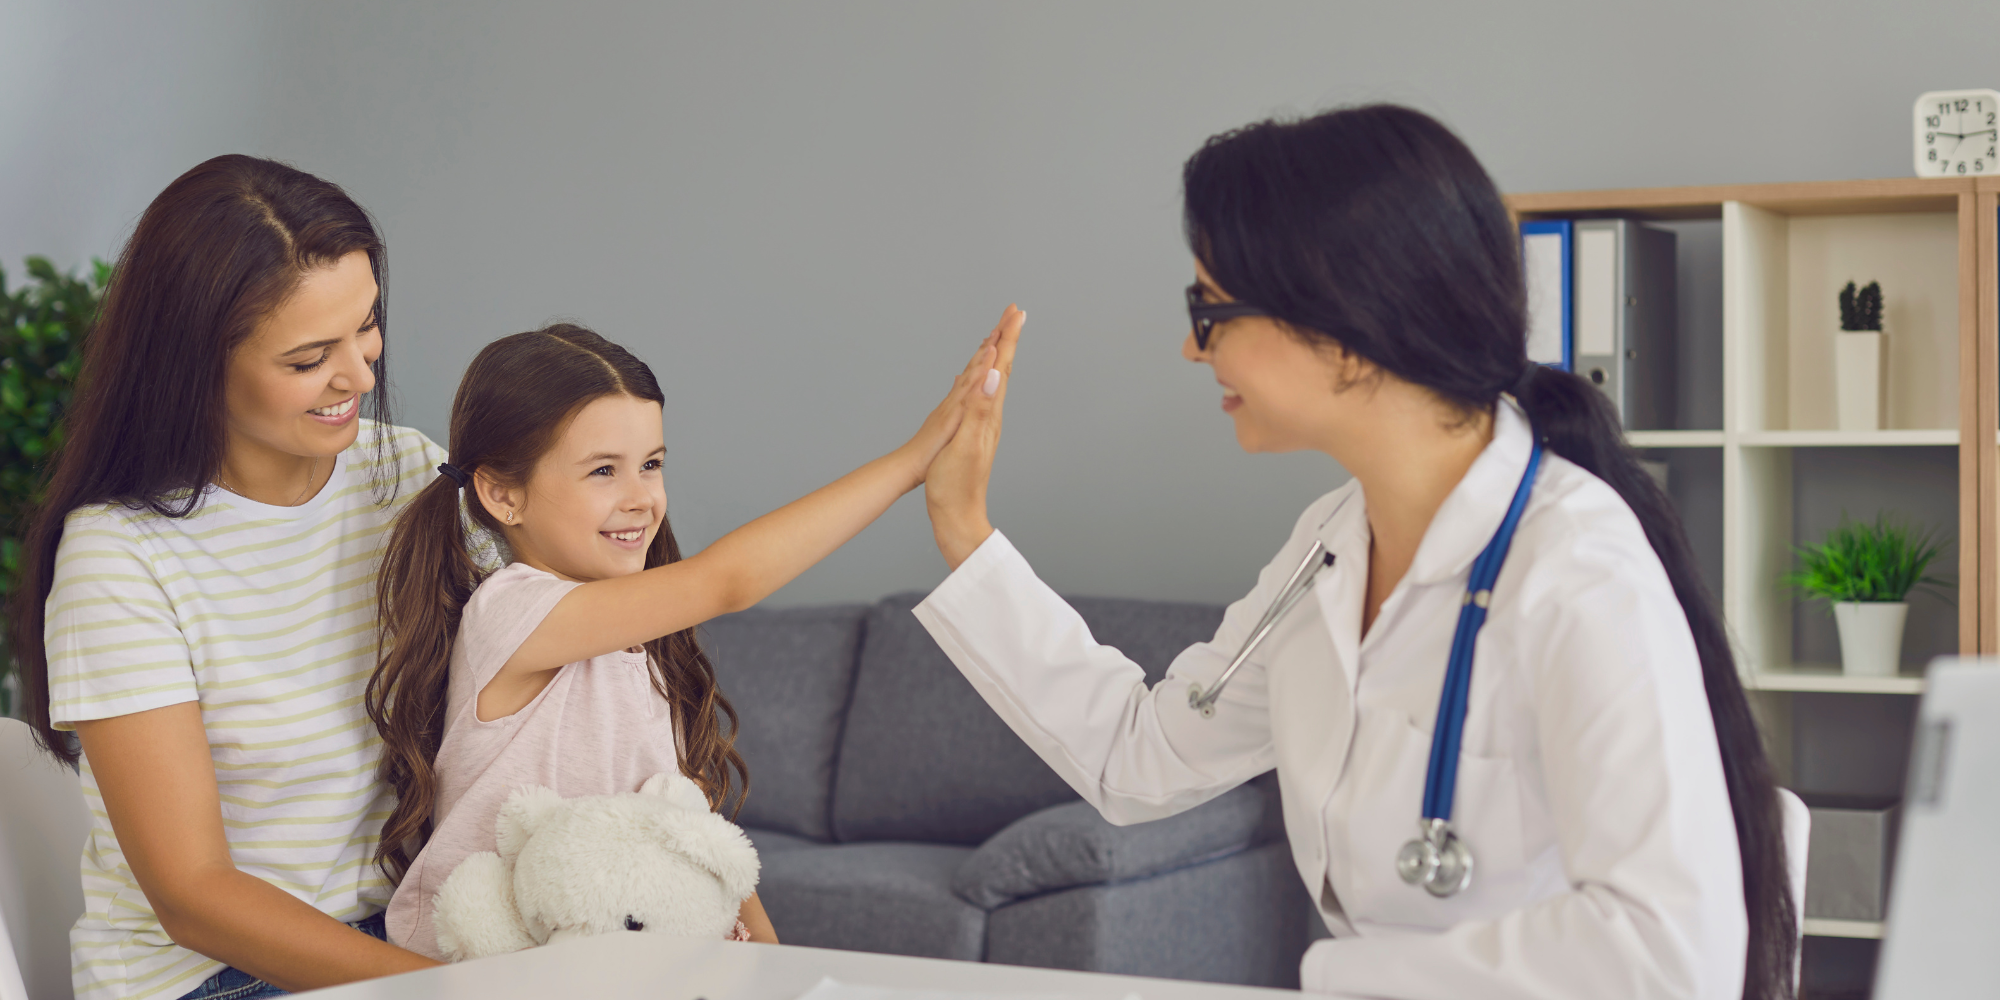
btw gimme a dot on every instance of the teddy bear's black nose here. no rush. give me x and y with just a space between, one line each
634 925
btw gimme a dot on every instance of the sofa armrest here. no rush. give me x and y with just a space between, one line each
1070 845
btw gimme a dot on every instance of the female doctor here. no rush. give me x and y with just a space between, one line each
1612 828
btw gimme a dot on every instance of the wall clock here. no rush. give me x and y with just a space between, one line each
1958 133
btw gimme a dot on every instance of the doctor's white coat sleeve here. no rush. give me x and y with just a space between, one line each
1085 708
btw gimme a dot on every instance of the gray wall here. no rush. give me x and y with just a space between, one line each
805 214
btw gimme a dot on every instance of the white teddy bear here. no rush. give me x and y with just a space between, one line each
657 860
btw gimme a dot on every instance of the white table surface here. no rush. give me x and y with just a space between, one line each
658 967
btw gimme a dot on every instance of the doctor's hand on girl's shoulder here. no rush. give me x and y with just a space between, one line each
955 488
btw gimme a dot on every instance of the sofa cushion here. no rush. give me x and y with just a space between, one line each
922 756
769 842
885 897
1070 845
788 672
1242 919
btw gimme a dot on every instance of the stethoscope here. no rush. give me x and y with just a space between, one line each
1436 859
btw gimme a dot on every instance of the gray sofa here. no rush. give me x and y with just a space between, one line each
894 812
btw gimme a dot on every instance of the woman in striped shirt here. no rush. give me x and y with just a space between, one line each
197 596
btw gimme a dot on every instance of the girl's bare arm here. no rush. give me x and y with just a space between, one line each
746 565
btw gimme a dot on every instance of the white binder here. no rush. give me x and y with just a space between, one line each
1625 316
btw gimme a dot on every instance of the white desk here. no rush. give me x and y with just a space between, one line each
657 967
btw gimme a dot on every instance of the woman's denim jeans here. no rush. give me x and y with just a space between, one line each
230 984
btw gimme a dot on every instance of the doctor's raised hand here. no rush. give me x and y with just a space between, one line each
955 488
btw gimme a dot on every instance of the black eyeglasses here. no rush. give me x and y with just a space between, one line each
1204 315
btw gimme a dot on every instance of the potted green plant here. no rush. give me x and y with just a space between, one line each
42 326
1866 571
1857 359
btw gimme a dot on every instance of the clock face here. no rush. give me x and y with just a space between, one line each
1958 133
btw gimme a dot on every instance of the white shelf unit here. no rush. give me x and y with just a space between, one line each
1822 927
1947 437
1827 679
1676 439
1780 275
1786 249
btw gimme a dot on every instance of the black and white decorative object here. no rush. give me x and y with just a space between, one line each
1958 133
1857 358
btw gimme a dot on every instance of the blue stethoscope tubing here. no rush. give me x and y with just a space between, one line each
1436 860
1441 780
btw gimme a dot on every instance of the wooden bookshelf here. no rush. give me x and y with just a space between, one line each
1986 355
1760 422
1936 244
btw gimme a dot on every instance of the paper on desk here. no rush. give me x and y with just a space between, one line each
832 989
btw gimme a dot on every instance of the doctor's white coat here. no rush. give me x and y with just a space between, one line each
1590 789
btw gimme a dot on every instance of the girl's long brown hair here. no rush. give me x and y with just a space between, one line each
515 399
217 251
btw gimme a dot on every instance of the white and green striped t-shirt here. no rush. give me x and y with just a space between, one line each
266 616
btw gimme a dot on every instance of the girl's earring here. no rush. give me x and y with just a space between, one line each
510 517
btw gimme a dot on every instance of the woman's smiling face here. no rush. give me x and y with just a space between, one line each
1282 393
294 387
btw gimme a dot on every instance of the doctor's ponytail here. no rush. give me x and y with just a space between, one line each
1375 228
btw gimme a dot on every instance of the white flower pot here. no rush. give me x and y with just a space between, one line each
1857 378
1871 636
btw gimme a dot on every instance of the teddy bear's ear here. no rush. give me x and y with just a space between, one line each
525 812
678 789
718 847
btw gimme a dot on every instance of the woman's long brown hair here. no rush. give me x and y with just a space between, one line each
218 250
516 397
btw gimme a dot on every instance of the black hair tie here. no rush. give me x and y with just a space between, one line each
457 474
1524 380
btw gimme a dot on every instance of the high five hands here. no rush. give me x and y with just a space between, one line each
955 486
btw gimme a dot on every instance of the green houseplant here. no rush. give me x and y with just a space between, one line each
42 326
1866 572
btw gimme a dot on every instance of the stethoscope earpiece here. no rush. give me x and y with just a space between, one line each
1317 558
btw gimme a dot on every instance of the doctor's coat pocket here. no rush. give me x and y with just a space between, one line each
1378 807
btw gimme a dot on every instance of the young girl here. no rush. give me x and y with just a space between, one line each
576 666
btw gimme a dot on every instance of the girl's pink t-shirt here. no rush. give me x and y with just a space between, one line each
599 728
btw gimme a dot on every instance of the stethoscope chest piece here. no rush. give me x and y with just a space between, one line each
1436 860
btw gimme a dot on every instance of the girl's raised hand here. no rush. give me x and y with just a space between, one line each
955 487
944 421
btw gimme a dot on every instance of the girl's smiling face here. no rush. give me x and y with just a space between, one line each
596 498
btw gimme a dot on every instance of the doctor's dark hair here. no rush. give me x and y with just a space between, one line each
217 251
515 400
1375 229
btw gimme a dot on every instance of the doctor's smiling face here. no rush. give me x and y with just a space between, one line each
1283 393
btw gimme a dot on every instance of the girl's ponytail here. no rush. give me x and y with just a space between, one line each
427 575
